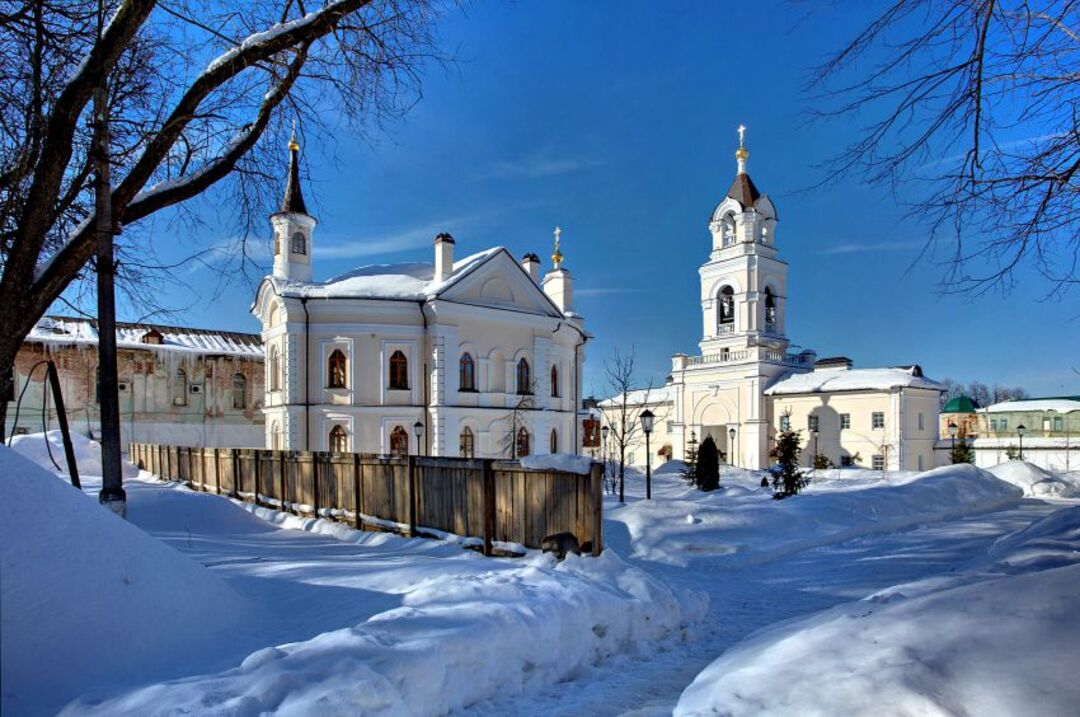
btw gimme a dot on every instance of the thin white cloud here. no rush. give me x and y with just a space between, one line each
871 247
400 240
605 290
540 165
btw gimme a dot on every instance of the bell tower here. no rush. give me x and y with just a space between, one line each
743 282
292 225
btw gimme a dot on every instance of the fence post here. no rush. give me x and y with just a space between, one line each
596 480
489 505
358 487
412 496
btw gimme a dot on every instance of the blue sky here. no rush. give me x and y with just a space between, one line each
617 122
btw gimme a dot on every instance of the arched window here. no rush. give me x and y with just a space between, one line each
275 436
399 371
299 243
554 441
339 440
554 380
725 315
522 442
180 388
727 228
336 369
277 243
770 309
524 380
466 373
467 443
239 391
274 368
399 442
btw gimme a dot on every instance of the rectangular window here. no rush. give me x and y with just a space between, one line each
785 423
1003 424
920 459
812 423
920 425
1059 423
877 419
845 420
630 457
878 463
993 424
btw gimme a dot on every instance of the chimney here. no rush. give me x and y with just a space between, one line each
531 263
444 256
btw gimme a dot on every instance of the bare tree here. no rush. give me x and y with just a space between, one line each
980 101
621 412
193 86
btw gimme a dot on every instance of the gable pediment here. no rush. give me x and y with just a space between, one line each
500 282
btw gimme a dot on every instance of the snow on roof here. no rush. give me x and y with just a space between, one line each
1060 404
414 280
663 394
66 331
859 379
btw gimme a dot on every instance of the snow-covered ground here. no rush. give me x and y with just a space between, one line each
264 613
198 604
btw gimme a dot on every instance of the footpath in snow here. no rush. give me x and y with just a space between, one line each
198 605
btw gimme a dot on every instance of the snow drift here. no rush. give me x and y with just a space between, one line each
87 453
742 524
1036 481
976 643
89 599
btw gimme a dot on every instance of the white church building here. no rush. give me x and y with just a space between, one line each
745 385
478 356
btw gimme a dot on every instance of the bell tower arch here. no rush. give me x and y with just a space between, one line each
744 281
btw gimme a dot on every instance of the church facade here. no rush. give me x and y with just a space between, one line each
745 385
478 356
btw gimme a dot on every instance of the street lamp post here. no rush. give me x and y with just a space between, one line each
814 465
418 431
647 418
1020 432
953 428
603 453
731 444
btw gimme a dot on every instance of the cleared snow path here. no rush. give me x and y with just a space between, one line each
753 597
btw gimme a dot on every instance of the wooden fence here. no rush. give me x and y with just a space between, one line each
483 498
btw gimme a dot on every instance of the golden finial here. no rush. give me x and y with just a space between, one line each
293 144
557 257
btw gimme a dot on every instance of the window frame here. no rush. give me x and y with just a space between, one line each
180 388
398 371
877 462
553 441
338 434
555 380
785 423
522 444
467 369
398 433
875 418
337 370
523 372
239 391
302 244
845 421
813 422
467 443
